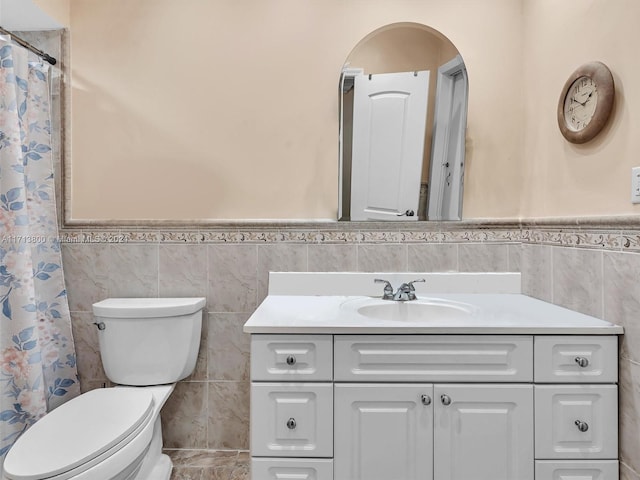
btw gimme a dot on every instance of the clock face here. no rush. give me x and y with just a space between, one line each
580 103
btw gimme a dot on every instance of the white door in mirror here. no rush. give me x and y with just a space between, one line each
389 119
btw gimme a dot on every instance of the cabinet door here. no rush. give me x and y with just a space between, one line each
383 432
483 432
576 421
291 419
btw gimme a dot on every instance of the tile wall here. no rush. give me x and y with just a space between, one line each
592 271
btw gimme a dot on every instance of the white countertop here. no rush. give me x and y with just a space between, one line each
493 313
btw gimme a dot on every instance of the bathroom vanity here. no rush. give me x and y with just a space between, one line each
451 386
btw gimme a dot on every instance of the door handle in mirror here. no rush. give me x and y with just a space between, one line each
408 213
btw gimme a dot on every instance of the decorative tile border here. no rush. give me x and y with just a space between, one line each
571 237
630 240
605 235
156 235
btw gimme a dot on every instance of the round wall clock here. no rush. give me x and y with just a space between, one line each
586 102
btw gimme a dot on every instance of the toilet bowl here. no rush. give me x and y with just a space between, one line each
115 433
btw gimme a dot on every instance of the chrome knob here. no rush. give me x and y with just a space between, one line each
425 399
582 426
445 399
291 360
291 423
583 362
100 325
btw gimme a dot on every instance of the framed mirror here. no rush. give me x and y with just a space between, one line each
403 111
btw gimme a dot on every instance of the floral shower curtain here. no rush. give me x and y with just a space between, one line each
37 354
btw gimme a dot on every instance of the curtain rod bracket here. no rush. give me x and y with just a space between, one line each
45 56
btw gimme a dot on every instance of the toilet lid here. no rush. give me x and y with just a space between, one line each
78 431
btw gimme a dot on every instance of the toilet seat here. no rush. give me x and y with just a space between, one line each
82 433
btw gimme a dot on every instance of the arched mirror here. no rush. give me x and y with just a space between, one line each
403 114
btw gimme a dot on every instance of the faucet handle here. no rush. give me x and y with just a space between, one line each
388 289
409 290
410 284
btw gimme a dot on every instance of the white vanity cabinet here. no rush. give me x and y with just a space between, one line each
434 407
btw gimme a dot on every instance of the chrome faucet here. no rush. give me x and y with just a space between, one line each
387 293
405 292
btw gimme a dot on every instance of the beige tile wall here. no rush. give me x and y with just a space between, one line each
594 273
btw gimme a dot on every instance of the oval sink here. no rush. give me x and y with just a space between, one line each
421 310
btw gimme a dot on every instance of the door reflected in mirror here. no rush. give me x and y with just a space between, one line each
403 113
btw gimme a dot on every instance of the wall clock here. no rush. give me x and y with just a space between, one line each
586 102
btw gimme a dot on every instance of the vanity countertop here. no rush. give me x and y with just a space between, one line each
500 313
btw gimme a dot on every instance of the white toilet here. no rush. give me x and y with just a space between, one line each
146 345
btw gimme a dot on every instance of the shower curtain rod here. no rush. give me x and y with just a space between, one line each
28 46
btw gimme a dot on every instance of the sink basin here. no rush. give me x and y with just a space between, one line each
420 310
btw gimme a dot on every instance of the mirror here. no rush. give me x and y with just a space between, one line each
403 113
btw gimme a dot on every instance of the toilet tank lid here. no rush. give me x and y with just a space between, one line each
147 307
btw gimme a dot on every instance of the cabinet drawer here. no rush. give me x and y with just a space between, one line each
291 468
568 359
581 470
430 358
292 419
291 357
561 411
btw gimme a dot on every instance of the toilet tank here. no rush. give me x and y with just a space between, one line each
148 341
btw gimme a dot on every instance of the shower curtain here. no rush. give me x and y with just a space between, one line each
37 354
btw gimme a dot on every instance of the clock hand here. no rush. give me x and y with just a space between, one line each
586 99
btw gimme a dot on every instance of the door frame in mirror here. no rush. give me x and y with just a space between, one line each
347 79
448 134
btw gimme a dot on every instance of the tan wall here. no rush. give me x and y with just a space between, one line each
563 179
229 110
58 9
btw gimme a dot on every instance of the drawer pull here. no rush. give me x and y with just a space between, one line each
445 399
583 362
291 360
582 426
291 423
425 399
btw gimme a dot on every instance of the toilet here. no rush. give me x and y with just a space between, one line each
146 345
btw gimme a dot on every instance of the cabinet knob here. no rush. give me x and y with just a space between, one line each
582 426
425 399
291 423
583 362
291 360
445 399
